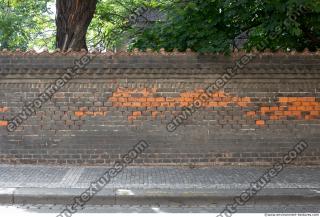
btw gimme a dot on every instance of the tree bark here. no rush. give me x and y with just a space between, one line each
72 21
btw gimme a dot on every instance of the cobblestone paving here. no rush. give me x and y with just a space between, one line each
156 177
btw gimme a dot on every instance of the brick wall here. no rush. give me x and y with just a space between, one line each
117 100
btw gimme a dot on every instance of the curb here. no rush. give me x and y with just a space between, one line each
156 196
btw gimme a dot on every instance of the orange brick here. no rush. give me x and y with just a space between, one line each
179 99
309 99
292 108
264 109
131 118
151 99
306 104
98 113
309 108
287 113
223 104
170 99
136 104
155 104
122 99
121 90
4 109
165 104
292 99
282 108
137 113
301 108
283 99
191 94
246 99
142 99
314 103
221 94
117 104
187 99
213 104
274 117
205 104
194 95
216 94
242 104
154 114
79 114
182 104
186 94
113 99
3 123
274 108
251 113
216 99
116 94
146 104
160 99
314 113
227 99
297 113
278 112
235 99
145 92
297 103
125 95
260 122
127 104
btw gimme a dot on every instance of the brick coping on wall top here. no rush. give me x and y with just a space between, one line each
149 52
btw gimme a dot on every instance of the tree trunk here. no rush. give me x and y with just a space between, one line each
73 19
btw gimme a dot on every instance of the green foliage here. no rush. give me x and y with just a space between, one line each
212 25
297 20
25 24
202 25
195 24
111 27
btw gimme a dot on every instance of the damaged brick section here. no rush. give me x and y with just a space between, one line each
290 108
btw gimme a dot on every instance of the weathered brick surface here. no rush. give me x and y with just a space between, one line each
116 101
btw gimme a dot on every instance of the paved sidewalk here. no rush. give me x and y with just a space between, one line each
154 177
25 183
